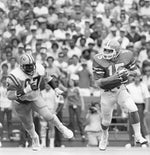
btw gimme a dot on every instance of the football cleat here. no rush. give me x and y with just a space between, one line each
104 140
36 144
141 140
67 133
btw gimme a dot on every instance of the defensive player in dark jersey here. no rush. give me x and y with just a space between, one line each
23 87
111 70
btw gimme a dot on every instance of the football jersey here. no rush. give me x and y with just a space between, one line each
103 68
18 78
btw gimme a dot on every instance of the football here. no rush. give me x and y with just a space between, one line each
123 74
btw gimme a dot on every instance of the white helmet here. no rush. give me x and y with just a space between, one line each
111 49
27 64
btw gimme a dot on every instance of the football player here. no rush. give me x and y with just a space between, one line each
23 87
111 69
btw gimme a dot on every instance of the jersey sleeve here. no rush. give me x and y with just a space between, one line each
98 70
11 84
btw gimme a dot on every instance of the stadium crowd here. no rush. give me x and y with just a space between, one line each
64 35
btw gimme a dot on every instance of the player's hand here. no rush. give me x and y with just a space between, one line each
20 92
28 88
33 85
58 91
123 75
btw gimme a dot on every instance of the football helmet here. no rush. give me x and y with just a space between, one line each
27 64
111 49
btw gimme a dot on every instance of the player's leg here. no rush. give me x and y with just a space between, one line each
24 113
41 108
125 100
107 106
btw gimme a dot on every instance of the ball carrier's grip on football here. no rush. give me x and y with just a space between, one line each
110 82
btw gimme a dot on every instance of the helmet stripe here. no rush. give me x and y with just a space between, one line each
30 60
108 43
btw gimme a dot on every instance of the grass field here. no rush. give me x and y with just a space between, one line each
75 151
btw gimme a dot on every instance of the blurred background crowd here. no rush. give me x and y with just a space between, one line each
64 35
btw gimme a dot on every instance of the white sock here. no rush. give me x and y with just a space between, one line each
43 142
51 142
137 130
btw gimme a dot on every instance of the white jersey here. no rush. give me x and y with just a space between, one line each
18 78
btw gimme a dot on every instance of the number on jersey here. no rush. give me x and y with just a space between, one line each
113 68
35 81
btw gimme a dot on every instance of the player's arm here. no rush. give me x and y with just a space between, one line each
14 89
11 89
132 67
105 83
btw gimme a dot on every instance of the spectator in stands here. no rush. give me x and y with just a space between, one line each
133 35
54 50
122 39
73 65
85 79
146 80
13 63
40 10
93 127
4 70
75 104
140 94
5 107
144 53
51 68
73 49
43 31
60 33
52 17
61 63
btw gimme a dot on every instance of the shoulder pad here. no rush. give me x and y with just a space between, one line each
126 56
19 74
11 84
101 61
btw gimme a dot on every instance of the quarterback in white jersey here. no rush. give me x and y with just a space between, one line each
23 87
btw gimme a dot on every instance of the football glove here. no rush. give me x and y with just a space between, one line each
123 75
